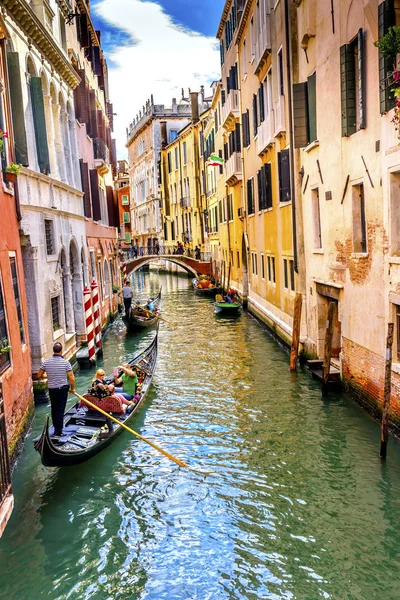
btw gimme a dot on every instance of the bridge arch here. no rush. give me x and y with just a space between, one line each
191 266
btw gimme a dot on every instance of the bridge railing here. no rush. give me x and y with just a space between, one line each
131 253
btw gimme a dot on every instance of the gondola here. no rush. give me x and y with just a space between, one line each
226 308
82 426
211 291
137 321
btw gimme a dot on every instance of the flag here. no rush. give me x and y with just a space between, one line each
215 161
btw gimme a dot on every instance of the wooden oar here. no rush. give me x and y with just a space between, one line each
149 315
103 412
174 325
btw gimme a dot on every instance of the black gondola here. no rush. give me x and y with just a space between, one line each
138 321
211 291
80 440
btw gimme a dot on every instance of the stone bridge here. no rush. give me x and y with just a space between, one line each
191 265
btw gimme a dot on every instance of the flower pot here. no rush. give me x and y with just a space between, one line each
11 177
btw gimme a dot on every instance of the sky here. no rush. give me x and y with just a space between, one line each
156 47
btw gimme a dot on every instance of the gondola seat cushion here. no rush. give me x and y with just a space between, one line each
110 404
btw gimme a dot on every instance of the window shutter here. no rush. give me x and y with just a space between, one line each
284 175
221 168
226 152
261 103
259 190
94 184
250 197
238 142
231 143
255 115
101 126
361 78
97 61
83 29
300 115
111 207
17 107
268 185
81 99
40 125
386 19
93 114
348 90
312 108
244 129
87 204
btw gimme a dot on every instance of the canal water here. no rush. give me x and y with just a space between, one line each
298 505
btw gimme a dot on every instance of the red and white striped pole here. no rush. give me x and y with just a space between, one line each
96 313
87 298
123 269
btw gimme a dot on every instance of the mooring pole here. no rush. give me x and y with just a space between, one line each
387 389
296 331
328 346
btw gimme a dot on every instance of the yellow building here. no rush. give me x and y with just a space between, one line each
182 183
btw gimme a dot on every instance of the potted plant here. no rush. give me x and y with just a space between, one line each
116 289
389 44
12 171
5 348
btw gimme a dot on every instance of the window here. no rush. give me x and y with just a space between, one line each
359 220
55 313
264 182
49 234
238 259
127 217
261 103
173 134
255 115
316 219
352 85
395 213
271 269
291 274
250 196
387 17
284 176
305 112
101 284
221 50
169 162
280 73
285 273
254 262
262 266
176 158
184 153
244 57
125 199
5 354
92 265
252 38
14 277
230 207
246 128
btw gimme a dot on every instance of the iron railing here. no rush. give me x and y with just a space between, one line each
5 471
163 251
101 151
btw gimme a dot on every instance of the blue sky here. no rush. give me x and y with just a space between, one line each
156 47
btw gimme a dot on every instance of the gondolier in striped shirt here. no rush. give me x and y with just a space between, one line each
58 370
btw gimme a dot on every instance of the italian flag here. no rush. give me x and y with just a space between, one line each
215 161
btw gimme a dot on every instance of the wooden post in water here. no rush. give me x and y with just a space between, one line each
387 389
223 276
296 331
229 277
328 346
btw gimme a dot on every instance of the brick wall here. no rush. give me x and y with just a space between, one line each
363 376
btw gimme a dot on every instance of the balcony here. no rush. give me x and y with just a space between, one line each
266 133
211 192
263 44
233 169
280 117
101 152
231 109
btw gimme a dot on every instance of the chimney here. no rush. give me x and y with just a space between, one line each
194 101
164 139
174 105
202 93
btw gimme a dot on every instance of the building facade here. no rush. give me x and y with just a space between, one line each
144 145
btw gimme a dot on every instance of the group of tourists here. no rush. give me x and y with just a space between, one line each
153 247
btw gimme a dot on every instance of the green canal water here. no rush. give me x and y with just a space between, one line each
298 506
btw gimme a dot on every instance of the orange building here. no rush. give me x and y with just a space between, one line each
16 398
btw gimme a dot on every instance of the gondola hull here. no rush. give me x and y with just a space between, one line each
227 309
80 423
135 323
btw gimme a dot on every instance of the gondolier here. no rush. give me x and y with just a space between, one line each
58 370
127 295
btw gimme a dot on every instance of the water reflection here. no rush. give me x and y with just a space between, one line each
299 505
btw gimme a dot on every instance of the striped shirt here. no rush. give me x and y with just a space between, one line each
56 369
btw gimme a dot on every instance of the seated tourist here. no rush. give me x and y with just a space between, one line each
127 383
150 305
99 389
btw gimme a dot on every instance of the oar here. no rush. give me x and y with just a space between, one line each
103 412
174 325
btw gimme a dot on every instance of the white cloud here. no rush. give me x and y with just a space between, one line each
163 59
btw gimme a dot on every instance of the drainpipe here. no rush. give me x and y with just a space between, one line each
291 132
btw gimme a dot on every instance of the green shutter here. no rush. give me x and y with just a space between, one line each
284 176
348 89
386 19
268 185
39 120
361 79
17 108
312 108
300 115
